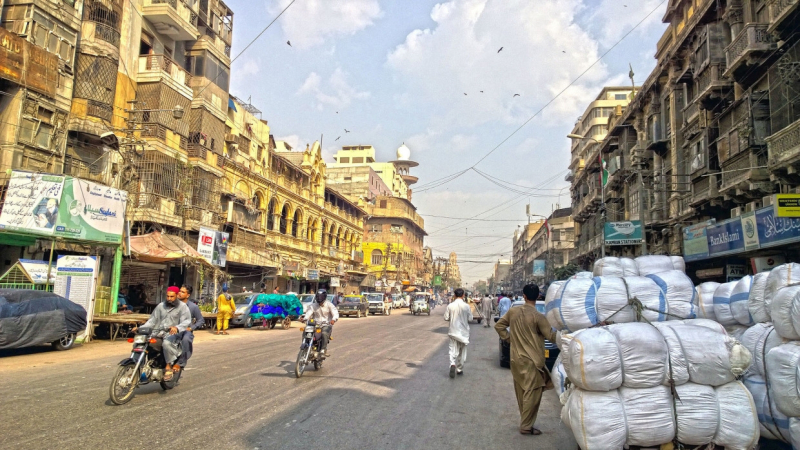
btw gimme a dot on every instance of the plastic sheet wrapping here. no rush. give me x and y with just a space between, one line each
722 304
559 377
582 275
756 302
552 300
783 375
597 419
704 300
759 340
784 304
653 264
780 277
794 432
563 339
696 412
736 331
773 423
739 298
679 291
611 266
738 419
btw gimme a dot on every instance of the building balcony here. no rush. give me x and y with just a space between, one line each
782 14
704 189
101 32
743 176
783 149
162 69
711 84
172 18
752 42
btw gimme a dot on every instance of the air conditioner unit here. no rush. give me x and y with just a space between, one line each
768 200
230 137
736 212
752 206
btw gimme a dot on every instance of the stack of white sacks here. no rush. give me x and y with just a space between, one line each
621 368
771 307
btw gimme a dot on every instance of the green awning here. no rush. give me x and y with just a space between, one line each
18 240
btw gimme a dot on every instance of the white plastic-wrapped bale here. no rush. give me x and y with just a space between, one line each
650 295
722 304
597 419
774 424
783 374
559 377
602 359
611 266
779 277
738 418
739 296
756 302
736 331
678 263
580 275
679 293
696 413
563 339
552 300
794 431
704 300
759 340
653 264
784 304
649 415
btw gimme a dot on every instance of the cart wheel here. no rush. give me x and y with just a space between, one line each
287 323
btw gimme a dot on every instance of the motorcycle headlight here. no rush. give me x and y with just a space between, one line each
140 339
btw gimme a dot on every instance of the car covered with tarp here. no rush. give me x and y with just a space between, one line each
33 317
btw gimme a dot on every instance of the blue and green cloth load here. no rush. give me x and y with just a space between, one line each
271 306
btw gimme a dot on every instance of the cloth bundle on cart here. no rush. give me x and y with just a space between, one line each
586 302
270 306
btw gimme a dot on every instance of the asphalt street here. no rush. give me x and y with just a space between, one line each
386 386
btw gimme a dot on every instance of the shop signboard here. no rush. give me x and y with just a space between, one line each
787 205
28 65
32 203
766 263
735 272
774 230
539 266
725 238
623 233
750 229
335 282
213 245
37 271
91 212
312 274
695 241
75 279
437 280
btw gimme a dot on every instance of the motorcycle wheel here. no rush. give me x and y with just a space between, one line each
317 365
119 393
300 365
167 385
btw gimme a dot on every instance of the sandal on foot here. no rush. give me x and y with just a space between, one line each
168 375
532 431
218 332
224 332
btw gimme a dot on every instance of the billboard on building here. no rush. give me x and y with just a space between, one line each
539 267
437 280
213 245
623 233
28 65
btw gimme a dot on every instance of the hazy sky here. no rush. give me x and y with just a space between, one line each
397 71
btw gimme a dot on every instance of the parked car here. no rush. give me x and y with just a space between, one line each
306 300
353 305
29 318
377 305
244 303
551 350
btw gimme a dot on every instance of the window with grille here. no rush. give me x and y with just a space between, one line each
784 90
374 228
377 257
96 78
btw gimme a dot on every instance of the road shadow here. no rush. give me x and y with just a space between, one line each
11 352
441 330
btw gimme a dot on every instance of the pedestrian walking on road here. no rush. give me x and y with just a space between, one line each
486 310
458 314
528 330
503 305
225 309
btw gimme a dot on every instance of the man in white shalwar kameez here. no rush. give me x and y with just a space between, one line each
458 314
486 310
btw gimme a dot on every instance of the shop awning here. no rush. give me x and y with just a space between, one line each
157 247
410 289
368 281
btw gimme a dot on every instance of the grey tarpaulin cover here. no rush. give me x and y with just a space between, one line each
29 317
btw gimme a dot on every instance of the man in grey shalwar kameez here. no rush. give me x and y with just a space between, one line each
486 310
175 316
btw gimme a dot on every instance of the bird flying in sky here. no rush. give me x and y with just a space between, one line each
501 49
346 130
516 95
289 43
336 139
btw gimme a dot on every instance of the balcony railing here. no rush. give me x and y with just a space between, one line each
178 19
779 11
783 147
710 81
105 33
754 37
164 64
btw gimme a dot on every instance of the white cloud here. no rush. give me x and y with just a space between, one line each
308 23
249 68
624 16
336 92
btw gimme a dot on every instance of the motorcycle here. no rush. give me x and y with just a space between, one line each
309 348
145 365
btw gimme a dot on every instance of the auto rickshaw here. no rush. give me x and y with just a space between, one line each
420 305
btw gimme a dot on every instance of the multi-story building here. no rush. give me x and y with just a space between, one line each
360 183
395 174
393 238
500 280
709 138
453 272
522 265
549 244
587 135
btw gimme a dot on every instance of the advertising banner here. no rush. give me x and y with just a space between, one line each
725 238
335 282
75 281
312 274
437 280
28 65
213 246
773 230
91 212
539 266
695 242
623 233
787 205
32 203
37 270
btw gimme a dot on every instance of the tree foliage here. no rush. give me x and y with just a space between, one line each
564 272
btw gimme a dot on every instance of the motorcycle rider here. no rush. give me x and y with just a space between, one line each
175 316
324 315
187 337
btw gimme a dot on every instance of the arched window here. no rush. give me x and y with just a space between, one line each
297 223
284 219
271 215
377 257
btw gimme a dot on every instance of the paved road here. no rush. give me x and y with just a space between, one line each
385 387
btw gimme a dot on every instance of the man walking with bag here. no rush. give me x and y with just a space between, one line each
528 330
458 314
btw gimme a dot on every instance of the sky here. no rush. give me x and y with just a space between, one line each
431 75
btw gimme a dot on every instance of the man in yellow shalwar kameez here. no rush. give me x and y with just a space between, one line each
528 330
225 310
